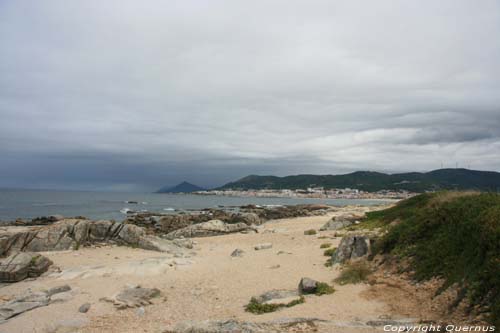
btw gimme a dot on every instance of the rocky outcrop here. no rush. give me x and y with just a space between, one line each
29 301
278 297
351 247
210 228
234 326
340 221
21 265
133 297
71 234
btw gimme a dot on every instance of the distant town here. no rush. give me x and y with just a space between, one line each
312 192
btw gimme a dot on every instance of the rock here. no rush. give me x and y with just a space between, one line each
140 311
308 286
234 326
263 246
26 302
71 234
210 228
58 289
84 308
340 221
61 297
278 297
247 218
135 297
22 265
237 253
351 247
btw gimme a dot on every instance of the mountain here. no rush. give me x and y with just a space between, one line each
461 179
183 187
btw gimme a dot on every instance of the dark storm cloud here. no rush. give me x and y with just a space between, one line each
124 95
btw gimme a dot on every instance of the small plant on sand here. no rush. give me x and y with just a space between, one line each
329 252
324 289
310 232
325 245
259 308
329 263
354 273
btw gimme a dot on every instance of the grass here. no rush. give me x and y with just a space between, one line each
353 273
324 289
451 235
329 252
325 245
310 232
259 308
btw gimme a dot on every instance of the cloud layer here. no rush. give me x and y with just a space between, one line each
128 95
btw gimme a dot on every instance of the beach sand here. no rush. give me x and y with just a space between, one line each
209 284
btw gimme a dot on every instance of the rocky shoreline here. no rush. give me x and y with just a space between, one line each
253 270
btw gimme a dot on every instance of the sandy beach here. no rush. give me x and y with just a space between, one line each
207 283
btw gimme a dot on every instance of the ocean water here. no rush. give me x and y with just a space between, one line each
28 204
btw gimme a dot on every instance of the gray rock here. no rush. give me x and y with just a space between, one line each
308 286
351 247
84 308
237 253
140 311
234 326
278 297
263 246
58 289
247 218
209 228
135 297
22 265
26 302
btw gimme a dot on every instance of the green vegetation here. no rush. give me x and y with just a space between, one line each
325 245
324 289
259 308
353 273
329 252
310 232
328 262
451 235
461 179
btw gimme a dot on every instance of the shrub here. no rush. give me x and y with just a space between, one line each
310 232
323 289
353 273
325 245
329 252
258 308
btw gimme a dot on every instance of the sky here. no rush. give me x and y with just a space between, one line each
128 95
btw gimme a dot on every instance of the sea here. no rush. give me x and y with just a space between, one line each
28 204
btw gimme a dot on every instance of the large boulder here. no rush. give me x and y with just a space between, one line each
132 297
340 221
22 265
351 247
210 228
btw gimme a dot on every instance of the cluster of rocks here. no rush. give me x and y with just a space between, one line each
71 234
209 228
250 215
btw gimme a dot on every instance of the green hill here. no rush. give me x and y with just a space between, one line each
459 179
451 235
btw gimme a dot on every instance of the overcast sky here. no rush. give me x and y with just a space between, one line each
134 95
